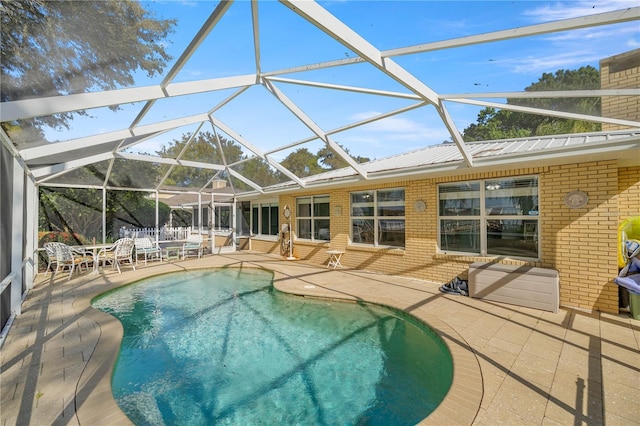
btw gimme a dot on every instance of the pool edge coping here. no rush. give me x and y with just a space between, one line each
96 405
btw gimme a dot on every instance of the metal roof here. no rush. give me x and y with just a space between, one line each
624 144
46 161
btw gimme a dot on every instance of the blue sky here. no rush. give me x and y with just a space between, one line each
288 41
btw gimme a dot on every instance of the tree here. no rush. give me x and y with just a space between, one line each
203 148
493 124
50 48
257 170
332 161
302 163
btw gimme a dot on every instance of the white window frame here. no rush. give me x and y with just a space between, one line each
487 187
257 221
373 235
313 217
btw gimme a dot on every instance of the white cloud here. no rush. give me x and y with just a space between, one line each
553 62
399 128
595 34
392 135
574 9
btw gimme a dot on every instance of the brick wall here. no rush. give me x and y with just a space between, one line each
620 72
580 243
629 192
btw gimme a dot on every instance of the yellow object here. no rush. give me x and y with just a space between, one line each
629 229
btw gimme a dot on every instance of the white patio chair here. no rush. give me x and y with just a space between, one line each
147 248
50 250
71 257
120 251
193 246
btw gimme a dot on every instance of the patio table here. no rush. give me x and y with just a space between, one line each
334 258
172 252
94 249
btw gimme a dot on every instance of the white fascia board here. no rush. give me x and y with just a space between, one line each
550 113
346 88
29 108
69 165
46 150
318 16
542 94
607 18
169 124
210 85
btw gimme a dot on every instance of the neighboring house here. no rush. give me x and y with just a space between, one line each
199 206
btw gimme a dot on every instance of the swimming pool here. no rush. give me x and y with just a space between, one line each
223 347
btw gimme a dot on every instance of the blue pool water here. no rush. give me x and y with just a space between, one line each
221 346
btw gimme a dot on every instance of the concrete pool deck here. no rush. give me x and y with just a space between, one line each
512 365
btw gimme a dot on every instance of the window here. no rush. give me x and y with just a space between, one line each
264 219
490 217
377 217
221 217
243 217
312 217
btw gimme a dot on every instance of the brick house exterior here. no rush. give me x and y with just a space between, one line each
579 243
620 72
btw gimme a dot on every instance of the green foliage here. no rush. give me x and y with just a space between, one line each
71 210
203 148
492 124
68 238
258 171
302 163
332 161
50 48
71 239
78 212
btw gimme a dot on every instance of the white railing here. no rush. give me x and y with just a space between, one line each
165 233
